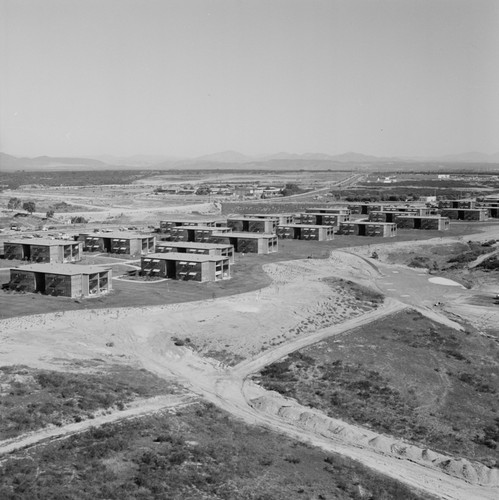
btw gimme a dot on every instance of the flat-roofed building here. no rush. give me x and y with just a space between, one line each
429 222
43 250
165 226
252 224
492 212
119 243
66 280
386 216
305 232
186 266
242 242
471 214
287 218
366 228
364 208
491 204
329 210
321 219
488 201
200 234
223 250
410 209
464 203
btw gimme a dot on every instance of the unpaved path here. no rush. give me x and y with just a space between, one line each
137 408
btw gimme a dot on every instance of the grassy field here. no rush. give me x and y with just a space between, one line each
193 453
31 399
405 376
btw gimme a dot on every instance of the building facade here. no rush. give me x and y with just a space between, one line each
66 280
186 266
41 250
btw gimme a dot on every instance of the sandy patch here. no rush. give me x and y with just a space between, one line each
445 282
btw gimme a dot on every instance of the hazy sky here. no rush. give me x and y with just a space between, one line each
190 77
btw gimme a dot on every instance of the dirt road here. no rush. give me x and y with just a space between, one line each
137 409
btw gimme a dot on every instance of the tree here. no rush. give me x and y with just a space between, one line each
14 203
29 206
78 219
291 189
49 214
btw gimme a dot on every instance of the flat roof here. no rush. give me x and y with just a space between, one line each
423 217
242 234
195 228
119 235
188 219
365 222
321 213
267 215
192 244
188 257
328 208
66 269
313 226
393 211
462 209
248 217
43 242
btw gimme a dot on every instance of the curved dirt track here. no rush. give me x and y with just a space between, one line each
143 335
137 409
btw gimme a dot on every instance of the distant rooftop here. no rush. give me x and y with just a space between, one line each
188 244
310 226
42 242
119 235
187 257
252 218
247 235
193 219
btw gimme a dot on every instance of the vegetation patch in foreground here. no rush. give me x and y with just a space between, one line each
404 376
31 399
198 452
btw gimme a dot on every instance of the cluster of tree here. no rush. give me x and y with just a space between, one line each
17 203
78 219
292 188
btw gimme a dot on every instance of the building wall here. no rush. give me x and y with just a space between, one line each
456 204
22 281
478 214
58 285
92 243
321 219
426 223
384 216
252 226
323 233
386 230
13 251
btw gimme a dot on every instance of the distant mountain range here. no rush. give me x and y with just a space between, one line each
239 161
